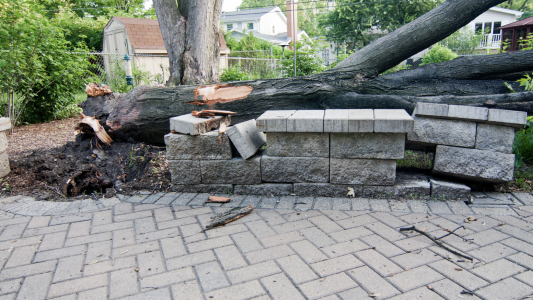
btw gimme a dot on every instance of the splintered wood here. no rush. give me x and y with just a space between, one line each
211 113
229 216
91 125
94 90
217 93
216 199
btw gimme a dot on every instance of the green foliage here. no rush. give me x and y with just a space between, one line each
352 20
523 144
93 8
462 42
234 74
256 47
36 64
438 54
396 68
307 61
415 159
526 82
341 56
115 79
87 30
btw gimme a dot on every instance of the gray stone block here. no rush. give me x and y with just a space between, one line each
474 164
504 117
392 120
298 144
326 189
336 120
464 112
294 169
349 120
274 120
3 141
362 171
265 189
306 121
495 138
448 190
431 110
404 189
443 132
203 188
4 164
185 171
5 124
246 138
209 145
367 145
235 171
189 124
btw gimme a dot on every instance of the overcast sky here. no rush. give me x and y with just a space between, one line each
227 5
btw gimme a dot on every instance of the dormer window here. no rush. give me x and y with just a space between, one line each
251 26
230 26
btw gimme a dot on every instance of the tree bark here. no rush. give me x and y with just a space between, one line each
190 31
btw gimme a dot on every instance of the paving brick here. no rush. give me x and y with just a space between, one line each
104 236
134 249
59 253
150 263
356 221
385 231
39 221
522 259
35 287
268 254
281 239
486 237
28 270
322 203
420 293
123 237
344 248
156 235
167 198
52 240
415 278
379 205
56 220
192 233
159 294
77 285
327 286
172 247
516 222
102 217
190 260
171 277
309 252
518 245
242 291
517 233
378 262
110 265
260 229
499 210
492 252
211 276
69 268
98 251
325 224
497 270
132 216
388 219
372 282
272 217
297 269
21 256
230 258
415 259
336 265
382 246
509 288
350 234
336 215
11 286
79 229
253 272
45 230
99 293
280 287
317 237
192 212
123 283
526 277
12 232
111 227
450 290
414 243
176 223
399 206
144 225
463 278
187 290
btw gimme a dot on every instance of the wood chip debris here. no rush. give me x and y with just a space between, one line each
229 216
217 199
470 219
211 113
95 90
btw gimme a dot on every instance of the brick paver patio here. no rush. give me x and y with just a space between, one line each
287 248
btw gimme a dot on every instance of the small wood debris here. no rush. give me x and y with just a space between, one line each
458 269
211 113
95 90
90 124
374 295
222 128
470 219
216 199
229 216
430 287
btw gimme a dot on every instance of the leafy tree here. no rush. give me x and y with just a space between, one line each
307 61
93 8
438 54
38 74
353 20
251 43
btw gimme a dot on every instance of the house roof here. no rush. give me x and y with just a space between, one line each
507 11
248 14
143 33
524 22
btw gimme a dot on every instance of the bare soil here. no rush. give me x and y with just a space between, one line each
51 161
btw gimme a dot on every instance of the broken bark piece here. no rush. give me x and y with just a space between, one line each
229 216
95 90
216 199
222 128
203 114
219 112
91 125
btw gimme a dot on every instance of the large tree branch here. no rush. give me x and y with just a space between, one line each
437 24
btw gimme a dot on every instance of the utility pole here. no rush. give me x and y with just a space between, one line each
294 35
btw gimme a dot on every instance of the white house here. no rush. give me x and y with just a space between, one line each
487 24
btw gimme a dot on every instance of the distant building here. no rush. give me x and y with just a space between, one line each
515 34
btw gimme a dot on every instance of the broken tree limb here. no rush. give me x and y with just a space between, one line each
229 216
436 241
89 124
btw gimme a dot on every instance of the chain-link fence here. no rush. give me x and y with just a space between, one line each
258 67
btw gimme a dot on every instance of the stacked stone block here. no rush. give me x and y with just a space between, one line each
470 142
325 152
5 124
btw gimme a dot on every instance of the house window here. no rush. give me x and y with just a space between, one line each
497 25
251 26
487 28
521 35
230 26
273 29
478 29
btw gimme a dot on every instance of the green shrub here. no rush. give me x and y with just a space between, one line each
523 144
234 74
462 41
415 159
438 54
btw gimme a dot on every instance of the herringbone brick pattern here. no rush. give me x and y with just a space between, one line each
150 251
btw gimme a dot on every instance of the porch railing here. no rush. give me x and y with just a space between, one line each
492 41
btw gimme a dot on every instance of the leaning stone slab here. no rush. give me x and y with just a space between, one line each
504 117
433 110
448 190
469 113
3 141
404 189
185 171
265 189
5 124
362 171
298 144
326 189
474 164
495 138
203 188
274 120
246 138
294 169
4 164
235 171
367 145
205 146
189 124
429 131
349 120
306 121
392 120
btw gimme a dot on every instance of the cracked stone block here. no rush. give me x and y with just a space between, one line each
431 110
326 189
185 171
189 124
495 138
298 144
449 190
235 171
294 169
428 131
349 120
504 117
392 120
406 189
367 145
265 189
480 165
274 120
205 146
362 171
465 112
306 121
246 138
